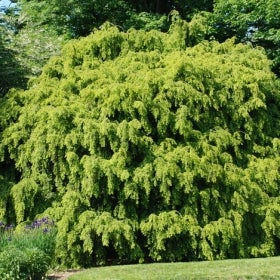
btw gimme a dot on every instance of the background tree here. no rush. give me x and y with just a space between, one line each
143 148
33 31
11 72
38 29
75 18
78 18
250 21
188 8
25 47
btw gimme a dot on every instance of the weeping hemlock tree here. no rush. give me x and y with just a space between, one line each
145 147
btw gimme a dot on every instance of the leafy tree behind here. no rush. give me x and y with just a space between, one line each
78 18
11 72
25 47
255 21
144 147
43 26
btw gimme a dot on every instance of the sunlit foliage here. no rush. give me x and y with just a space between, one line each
144 147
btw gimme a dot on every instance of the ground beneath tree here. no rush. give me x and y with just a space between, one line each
62 275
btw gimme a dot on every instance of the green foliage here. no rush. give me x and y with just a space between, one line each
171 236
33 49
103 234
23 52
27 253
143 147
78 18
147 21
23 264
75 18
23 193
189 8
254 21
39 234
5 193
11 72
56 21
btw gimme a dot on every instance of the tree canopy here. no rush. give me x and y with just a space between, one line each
11 72
23 51
40 28
144 145
255 21
78 18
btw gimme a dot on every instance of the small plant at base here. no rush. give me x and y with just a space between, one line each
6 233
27 254
40 234
31 263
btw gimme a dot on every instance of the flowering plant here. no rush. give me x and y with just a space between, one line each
39 234
27 253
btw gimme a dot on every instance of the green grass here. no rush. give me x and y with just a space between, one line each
261 268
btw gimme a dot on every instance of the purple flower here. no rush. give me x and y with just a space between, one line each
45 230
45 220
43 223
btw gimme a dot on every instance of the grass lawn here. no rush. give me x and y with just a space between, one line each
261 268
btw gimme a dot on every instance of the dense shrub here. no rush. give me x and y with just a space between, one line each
143 148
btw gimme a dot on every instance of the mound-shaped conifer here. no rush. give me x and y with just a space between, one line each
143 147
